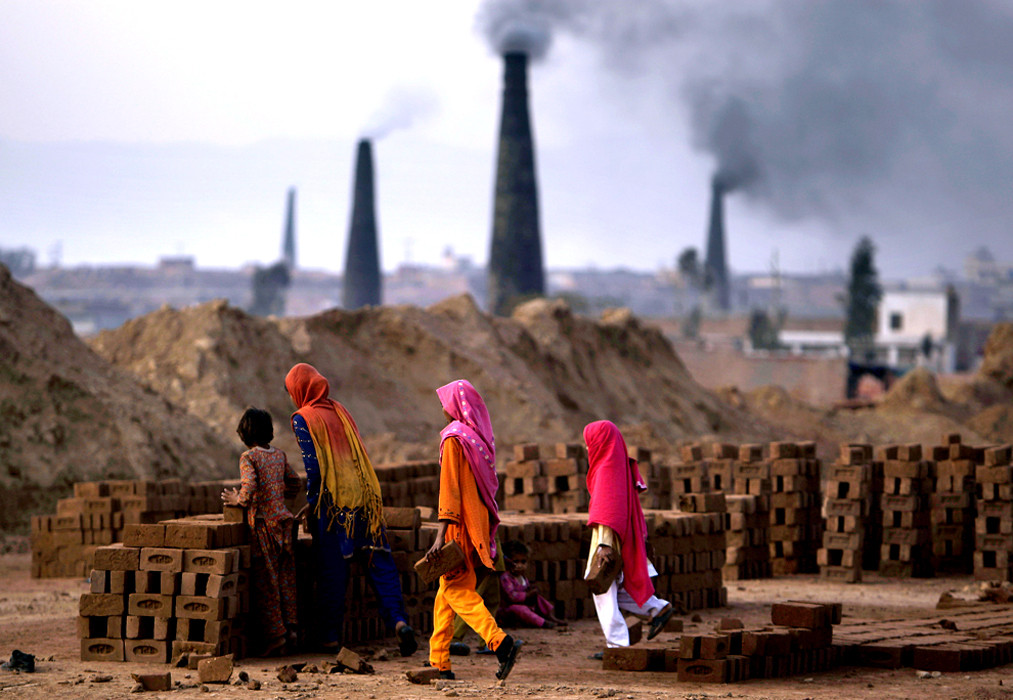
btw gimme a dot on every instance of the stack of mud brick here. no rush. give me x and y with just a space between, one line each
410 484
537 483
848 511
953 507
689 551
746 527
64 544
799 641
658 478
994 523
908 481
173 588
749 475
796 522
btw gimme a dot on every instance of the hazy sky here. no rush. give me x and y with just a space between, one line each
134 129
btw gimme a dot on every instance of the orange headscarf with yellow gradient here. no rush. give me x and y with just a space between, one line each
346 473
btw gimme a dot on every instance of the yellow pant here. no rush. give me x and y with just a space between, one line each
457 596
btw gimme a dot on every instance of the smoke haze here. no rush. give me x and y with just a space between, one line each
401 108
865 113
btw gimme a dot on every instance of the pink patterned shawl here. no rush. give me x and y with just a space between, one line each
472 428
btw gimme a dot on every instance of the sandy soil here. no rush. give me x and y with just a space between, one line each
38 617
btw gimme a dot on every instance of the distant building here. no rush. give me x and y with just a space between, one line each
918 327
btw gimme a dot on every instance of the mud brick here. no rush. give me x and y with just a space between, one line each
149 604
950 500
635 627
121 582
402 518
886 654
996 456
788 467
193 584
217 631
560 467
402 540
422 676
993 475
138 627
92 627
209 561
528 502
148 582
219 586
702 671
783 450
161 559
117 557
958 451
841 574
217 669
713 646
189 535
234 514
70 506
843 540
808 615
524 470
99 580
201 607
102 650
993 525
855 454
749 453
632 659
91 489
894 469
905 504
101 604
163 628
153 681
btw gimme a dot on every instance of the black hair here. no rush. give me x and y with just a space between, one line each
255 427
514 547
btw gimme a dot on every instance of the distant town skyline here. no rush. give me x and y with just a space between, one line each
130 131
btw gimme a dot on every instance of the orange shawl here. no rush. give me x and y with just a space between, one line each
346 473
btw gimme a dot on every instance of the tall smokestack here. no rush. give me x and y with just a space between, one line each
288 244
362 261
515 261
715 265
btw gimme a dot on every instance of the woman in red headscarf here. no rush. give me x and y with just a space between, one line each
467 514
618 525
344 496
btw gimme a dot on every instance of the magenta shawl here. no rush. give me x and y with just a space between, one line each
473 430
611 480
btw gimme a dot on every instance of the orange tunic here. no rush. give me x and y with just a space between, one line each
462 505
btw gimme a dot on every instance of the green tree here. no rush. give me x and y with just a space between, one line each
688 264
862 299
763 330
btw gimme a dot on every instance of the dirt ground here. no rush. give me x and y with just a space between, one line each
38 617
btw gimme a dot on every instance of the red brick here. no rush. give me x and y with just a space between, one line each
633 659
702 671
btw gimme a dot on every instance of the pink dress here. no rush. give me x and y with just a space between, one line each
518 612
263 472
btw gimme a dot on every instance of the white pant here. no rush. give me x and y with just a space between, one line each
611 604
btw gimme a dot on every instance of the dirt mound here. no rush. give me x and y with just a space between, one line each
915 391
995 423
66 413
997 363
544 372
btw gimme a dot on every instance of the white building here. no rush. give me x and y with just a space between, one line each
917 327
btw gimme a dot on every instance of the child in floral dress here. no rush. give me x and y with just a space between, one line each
264 471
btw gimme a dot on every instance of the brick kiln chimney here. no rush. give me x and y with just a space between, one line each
288 244
715 265
515 261
362 260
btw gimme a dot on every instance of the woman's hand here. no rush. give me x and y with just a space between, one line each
230 497
434 551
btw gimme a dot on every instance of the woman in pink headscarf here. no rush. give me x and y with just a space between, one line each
618 526
468 515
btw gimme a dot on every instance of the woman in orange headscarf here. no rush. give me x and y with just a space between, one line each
344 496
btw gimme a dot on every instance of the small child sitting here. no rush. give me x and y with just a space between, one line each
521 603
